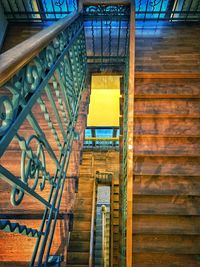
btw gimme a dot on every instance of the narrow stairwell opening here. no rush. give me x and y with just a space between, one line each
92 240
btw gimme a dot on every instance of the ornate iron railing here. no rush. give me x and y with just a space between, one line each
106 29
170 10
37 10
94 143
39 106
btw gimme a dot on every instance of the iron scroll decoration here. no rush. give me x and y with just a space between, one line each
26 84
101 10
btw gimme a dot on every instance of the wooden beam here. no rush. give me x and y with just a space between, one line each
130 167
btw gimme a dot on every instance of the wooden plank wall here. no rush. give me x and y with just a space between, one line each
166 182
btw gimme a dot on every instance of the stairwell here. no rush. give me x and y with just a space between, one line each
79 244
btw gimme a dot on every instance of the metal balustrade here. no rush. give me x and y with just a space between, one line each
37 10
93 143
39 106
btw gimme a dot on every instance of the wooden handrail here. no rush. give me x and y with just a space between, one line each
103 211
92 224
130 137
14 59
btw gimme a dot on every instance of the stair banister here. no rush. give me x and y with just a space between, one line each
103 212
41 79
14 59
92 227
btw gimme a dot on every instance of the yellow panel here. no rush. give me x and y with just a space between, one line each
104 108
104 103
105 82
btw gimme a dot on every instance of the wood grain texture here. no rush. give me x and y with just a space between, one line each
165 259
166 181
170 48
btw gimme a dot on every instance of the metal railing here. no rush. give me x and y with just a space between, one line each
96 143
41 81
168 10
37 10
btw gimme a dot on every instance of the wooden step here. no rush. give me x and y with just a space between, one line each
79 246
172 146
168 205
180 166
171 88
182 107
176 244
168 225
86 216
80 225
165 259
80 235
166 185
79 258
167 127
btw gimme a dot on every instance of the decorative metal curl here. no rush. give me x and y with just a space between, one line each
31 170
6 114
153 3
50 56
59 4
33 75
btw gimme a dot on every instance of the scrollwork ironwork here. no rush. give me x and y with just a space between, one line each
33 166
53 81
102 10
6 114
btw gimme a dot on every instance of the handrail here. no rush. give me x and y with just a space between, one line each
15 58
104 212
92 224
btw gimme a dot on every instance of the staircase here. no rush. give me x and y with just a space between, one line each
166 222
79 245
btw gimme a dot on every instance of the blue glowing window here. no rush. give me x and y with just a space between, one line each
104 133
58 9
88 133
151 9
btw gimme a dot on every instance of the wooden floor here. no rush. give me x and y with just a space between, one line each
19 32
169 48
